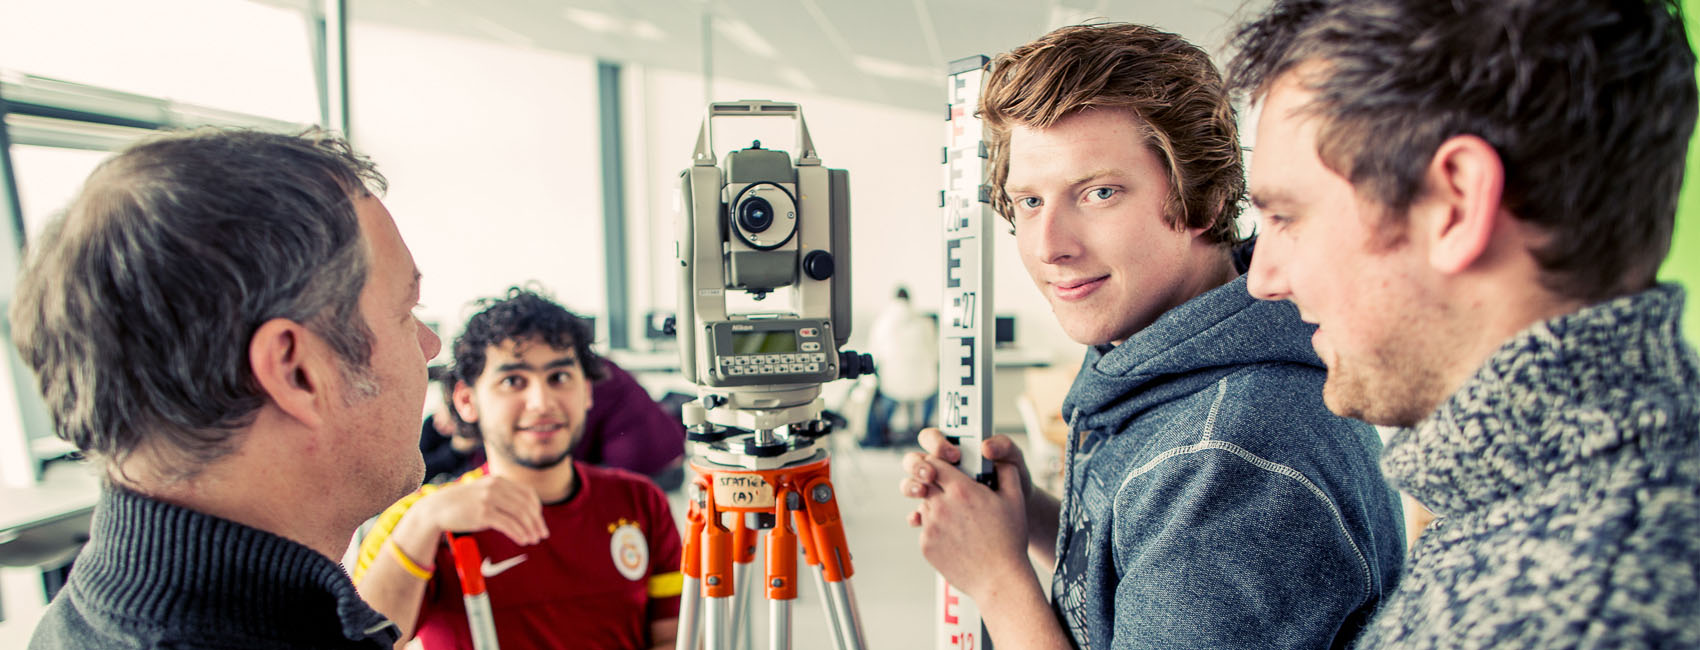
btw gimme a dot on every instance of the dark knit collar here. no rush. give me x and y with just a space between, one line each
158 564
1562 395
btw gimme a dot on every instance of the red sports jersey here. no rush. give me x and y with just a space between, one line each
609 567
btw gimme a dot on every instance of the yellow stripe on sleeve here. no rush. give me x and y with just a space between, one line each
666 585
373 544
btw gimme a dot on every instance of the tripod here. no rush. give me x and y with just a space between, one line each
735 497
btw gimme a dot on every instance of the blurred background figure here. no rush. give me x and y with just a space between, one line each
449 445
906 353
627 429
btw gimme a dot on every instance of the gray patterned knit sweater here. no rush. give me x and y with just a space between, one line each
1565 476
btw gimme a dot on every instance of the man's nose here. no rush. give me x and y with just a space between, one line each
1053 236
538 397
429 343
1267 279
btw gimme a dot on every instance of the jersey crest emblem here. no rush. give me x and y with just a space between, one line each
629 548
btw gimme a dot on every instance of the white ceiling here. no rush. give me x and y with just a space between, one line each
891 52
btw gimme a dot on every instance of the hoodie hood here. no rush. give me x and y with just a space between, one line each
1183 351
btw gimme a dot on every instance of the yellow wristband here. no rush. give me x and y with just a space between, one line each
407 564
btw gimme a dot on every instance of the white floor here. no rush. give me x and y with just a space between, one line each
893 584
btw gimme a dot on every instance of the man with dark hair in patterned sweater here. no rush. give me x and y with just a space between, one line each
1472 200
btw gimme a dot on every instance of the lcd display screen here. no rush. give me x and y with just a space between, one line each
772 342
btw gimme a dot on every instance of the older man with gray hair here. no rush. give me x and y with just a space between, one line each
223 320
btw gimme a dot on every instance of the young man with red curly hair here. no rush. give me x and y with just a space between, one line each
1212 501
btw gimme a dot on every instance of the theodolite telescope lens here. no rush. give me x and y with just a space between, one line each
755 214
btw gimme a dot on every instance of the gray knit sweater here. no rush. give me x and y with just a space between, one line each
1565 476
156 576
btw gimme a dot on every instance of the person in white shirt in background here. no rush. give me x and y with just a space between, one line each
905 347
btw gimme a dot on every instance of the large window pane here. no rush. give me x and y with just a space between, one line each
492 157
47 179
228 54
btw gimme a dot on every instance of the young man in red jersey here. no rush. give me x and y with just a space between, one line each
576 556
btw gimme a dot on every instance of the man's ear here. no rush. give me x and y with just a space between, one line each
278 355
1465 184
463 403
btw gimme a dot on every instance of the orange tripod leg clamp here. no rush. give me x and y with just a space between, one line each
829 540
806 534
781 554
691 565
717 556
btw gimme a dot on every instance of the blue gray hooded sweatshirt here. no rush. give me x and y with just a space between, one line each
1212 501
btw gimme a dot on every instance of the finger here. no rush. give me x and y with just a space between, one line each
511 521
1009 483
915 465
933 441
948 477
516 531
523 506
912 488
533 518
1001 448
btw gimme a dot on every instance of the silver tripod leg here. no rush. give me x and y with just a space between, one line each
826 605
719 622
690 621
779 624
849 625
741 606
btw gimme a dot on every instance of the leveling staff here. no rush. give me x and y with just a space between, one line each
576 556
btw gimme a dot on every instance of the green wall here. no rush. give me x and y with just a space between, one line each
1683 265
